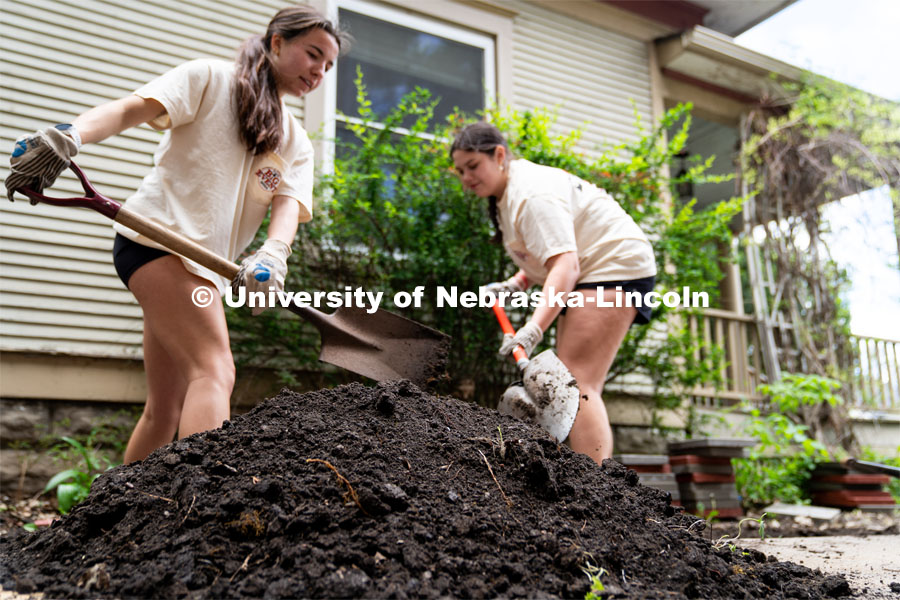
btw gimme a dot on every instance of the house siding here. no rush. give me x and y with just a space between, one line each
596 79
58 289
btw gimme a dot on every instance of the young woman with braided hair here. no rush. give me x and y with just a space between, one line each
231 153
565 234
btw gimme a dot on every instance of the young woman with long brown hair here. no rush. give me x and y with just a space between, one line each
564 234
231 153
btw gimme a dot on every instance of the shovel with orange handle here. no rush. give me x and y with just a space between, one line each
548 394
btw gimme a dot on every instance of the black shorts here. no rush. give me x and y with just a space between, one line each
129 256
643 286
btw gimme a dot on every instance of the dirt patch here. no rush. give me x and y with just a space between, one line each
870 564
383 491
849 523
14 515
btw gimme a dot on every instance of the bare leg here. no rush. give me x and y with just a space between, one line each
587 341
162 409
190 373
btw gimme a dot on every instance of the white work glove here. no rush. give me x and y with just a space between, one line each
264 270
39 158
528 336
516 283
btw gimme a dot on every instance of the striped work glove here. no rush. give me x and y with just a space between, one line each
39 158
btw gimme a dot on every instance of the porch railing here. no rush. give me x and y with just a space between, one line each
874 372
739 364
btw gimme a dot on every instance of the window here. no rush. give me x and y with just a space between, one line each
397 51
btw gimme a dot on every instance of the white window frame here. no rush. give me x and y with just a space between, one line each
487 41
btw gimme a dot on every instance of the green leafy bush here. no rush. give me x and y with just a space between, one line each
785 455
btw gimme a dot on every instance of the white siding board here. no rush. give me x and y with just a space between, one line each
74 72
238 8
60 293
70 334
83 67
107 21
63 264
48 211
85 228
29 341
12 247
77 292
619 51
75 306
547 67
58 318
210 17
48 272
82 44
594 104
61 239
11 70
138 139
59 218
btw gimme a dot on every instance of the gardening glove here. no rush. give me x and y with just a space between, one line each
516 283
39 158
264 270
528 336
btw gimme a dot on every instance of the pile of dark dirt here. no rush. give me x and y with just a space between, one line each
383 491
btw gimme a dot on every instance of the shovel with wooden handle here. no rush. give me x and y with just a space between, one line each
548 395
380 345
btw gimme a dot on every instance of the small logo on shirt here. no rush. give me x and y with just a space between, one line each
269 178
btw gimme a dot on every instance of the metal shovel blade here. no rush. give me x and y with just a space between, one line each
381 345
548 396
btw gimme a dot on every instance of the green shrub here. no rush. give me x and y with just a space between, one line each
785 455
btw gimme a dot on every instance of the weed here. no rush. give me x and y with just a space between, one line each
596 589
594 573
729 541
73 485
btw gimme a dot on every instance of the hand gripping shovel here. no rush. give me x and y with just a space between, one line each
382 345
549 395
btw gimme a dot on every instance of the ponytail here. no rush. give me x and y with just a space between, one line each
493 214
256 98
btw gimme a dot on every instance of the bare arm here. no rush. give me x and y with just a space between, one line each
114 117
562 277
284 220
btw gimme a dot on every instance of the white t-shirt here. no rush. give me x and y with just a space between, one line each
205 184
546 211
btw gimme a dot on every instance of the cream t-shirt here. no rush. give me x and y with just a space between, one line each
205 184
546 211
